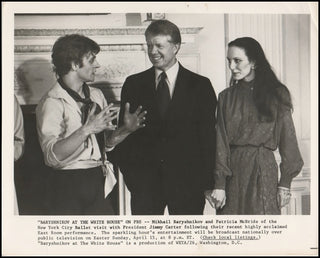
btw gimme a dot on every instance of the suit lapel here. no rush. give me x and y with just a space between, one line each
149 83
148 94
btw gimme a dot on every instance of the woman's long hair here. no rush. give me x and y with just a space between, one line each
268 90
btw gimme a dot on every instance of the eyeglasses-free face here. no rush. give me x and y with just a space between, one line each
239 64
162 52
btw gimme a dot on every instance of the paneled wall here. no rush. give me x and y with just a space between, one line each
296 75
265 28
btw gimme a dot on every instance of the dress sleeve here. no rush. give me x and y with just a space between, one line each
291 160
222 169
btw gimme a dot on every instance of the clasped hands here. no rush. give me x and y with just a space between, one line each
217 197
102 121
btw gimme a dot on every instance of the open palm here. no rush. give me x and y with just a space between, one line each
135 120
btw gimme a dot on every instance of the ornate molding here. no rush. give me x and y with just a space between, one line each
48 48
32 48
123 53
93 32
109 39
128 47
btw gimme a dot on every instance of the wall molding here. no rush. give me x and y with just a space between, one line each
94 32
48 48
109 39
123 52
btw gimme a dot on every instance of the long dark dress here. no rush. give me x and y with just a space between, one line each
245 164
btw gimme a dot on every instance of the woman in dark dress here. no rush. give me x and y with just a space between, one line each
254 119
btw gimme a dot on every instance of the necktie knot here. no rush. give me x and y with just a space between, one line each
163 76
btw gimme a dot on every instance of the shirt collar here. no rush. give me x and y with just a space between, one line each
172 74
58 92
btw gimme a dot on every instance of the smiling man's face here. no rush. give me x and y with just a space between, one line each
162 51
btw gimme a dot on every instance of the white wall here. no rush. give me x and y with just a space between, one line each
210 42
296 51
65 21
296 71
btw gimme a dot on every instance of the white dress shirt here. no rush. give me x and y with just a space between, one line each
171 79
58 116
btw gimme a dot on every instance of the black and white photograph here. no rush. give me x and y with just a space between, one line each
160 128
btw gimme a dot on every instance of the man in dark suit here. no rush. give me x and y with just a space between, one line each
170 161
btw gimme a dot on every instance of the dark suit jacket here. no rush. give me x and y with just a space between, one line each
183 143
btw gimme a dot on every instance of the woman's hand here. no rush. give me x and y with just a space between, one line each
133 121
283 197
208 195
217 198
102 121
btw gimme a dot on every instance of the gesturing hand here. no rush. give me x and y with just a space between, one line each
101 121
133 121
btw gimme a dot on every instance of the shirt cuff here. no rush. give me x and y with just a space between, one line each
108 149
285 181
284 188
